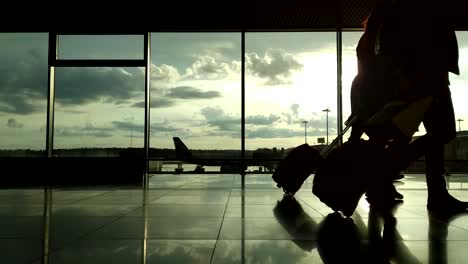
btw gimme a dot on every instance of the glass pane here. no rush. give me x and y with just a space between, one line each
23 94
195 141
290 81
195 102
100 47
98 141
95 113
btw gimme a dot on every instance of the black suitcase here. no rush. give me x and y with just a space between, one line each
296 167
345 175
301 162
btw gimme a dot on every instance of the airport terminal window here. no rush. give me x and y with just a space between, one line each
290 78
23 93
196 98
98 111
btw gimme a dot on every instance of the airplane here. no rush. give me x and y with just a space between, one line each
229 161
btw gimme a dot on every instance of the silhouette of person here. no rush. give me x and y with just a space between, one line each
423 49
414 48
371 90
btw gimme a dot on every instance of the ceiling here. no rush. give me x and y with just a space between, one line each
134 17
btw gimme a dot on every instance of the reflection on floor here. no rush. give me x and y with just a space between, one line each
198 219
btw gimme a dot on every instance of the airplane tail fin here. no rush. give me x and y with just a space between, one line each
182 152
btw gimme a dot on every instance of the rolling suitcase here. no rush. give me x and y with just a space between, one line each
301 162
345 174
296 167
347 171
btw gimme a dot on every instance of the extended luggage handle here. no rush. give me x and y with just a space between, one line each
349 123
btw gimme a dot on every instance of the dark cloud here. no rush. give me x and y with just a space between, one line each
262 120
187 92
88 130
23 83
85 85
13 123
166 128
220 121
276 66
158 102
265 132
128 126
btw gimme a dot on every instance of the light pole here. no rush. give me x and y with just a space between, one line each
459 122
327 111
305 130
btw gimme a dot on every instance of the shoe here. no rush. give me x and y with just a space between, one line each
446 203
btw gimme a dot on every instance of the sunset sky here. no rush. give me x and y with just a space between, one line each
195 89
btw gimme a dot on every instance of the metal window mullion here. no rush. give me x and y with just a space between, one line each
52 57
243 146
147 59
99 63
243 109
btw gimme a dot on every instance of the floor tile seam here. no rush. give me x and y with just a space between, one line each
85 198
306 203
222 222
168 191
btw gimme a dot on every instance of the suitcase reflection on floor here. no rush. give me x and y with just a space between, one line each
340 239
296 222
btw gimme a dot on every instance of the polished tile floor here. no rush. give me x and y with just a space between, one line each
198 219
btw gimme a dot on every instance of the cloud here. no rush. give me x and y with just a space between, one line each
295 109
262 120
158 102
187 92
276 66
208 68
13 123
164 73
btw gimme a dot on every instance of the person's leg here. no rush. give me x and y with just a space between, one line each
441 128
